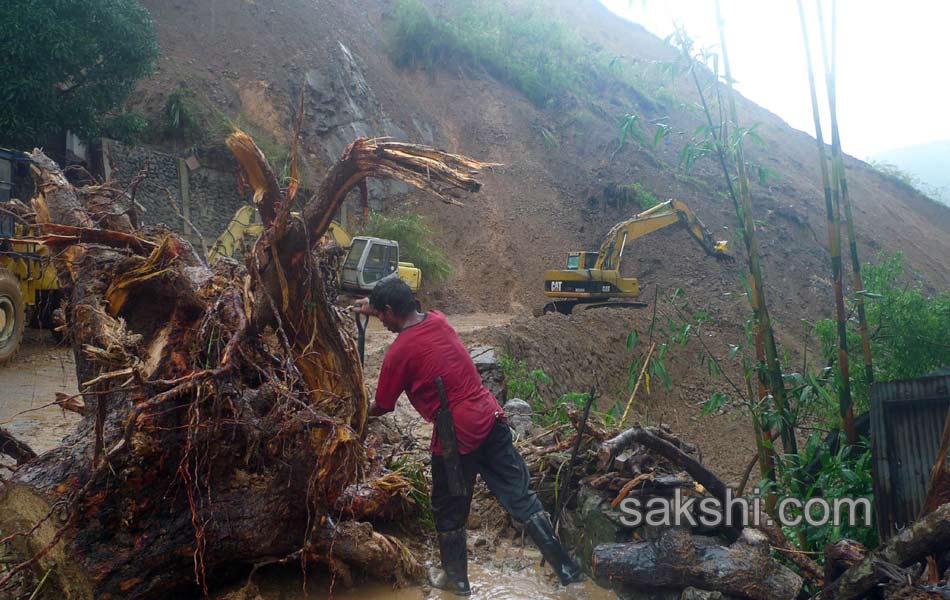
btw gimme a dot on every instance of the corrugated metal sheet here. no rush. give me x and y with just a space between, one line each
907 418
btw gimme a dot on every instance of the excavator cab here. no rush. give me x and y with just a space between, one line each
581 260
371 260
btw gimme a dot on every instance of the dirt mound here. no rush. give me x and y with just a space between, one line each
589 348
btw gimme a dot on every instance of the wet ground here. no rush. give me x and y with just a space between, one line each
493 581
28 387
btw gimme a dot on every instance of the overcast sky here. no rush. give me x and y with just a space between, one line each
893 88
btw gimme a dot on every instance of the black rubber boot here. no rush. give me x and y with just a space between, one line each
541 530
453 576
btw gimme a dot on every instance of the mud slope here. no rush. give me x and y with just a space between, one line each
251 59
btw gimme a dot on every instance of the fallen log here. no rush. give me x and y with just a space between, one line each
714 485
677 559
929 535
224 407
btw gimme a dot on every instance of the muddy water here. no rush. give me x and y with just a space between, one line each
489 582
29 383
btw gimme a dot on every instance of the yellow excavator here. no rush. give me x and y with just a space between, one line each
368 260
593 278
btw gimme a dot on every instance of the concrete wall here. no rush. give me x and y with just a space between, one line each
173 189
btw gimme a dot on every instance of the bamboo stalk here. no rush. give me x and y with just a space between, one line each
837 158
636 386
757 295
834 246
766 451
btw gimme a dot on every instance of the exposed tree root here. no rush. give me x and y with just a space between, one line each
224 407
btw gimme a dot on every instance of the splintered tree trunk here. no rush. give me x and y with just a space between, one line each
224 407
677 560
929 535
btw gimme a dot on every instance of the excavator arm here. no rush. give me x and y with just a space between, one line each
662 215
241 224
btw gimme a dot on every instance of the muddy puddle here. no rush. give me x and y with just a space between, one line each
29 384
489 582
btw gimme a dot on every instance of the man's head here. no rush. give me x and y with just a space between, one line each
393 302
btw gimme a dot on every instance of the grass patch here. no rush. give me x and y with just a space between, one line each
644 198
524 46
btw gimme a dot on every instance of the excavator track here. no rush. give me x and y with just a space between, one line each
566 307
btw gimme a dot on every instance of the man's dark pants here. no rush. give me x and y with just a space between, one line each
503 471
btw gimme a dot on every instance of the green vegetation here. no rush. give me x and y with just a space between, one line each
910 331
68 63
524 46
910 337
416 243
523 382
418 494
545 416
843 474
815 470
182 116
892 171
129 127
644 198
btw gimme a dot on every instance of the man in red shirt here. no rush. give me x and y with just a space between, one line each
428 347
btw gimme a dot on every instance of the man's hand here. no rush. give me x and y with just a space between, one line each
376 410
362 307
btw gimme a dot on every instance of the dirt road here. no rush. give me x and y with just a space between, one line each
28 386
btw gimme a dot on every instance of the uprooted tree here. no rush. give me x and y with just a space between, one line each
224 406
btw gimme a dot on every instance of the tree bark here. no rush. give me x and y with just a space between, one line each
677 560
224 407
938 490
928 535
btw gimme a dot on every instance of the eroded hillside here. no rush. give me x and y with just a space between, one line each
557 188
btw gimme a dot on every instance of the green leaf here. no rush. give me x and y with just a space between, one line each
632 339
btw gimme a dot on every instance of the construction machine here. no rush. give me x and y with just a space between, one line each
593 279
368 260
244 227
371 260
28 285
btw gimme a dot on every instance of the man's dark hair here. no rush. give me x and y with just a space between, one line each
393 292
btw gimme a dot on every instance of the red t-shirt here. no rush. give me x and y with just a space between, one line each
428 350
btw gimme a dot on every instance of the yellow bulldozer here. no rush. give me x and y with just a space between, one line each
28 286
368 260
593 279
